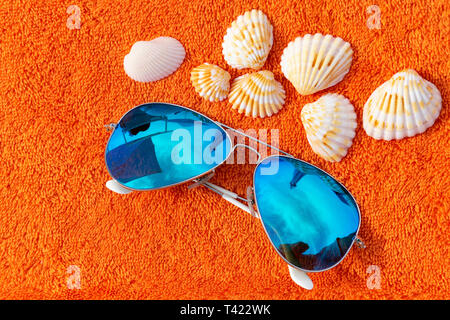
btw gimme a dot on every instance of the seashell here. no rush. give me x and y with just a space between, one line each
211 82
330 125
403 106
316 62
248 41
257 94
154 60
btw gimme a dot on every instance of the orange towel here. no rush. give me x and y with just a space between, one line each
59 86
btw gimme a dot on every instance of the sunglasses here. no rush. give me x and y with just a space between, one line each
310 218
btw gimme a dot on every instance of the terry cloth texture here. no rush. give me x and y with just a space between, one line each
60 86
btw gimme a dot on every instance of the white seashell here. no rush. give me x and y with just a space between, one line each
330 125
211 82
248 41
403 106
154 60
316 62
257 94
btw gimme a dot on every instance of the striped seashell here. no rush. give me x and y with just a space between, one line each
211 82
316 62
403 106
248 41
330 125
154 60
257 94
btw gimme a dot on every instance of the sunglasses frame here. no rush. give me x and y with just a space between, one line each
202 179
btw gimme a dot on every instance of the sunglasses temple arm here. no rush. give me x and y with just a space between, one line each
300 277
236 203
231 197
114 186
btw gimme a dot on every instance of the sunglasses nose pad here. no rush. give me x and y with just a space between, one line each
301 278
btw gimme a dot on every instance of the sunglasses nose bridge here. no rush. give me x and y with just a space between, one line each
248 147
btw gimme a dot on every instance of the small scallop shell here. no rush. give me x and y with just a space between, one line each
154 60
211 82
248 41
316 62
403 106
257 94
330 125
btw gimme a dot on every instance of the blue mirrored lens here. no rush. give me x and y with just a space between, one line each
310 218
158 145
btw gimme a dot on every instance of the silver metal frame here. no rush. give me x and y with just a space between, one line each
248 201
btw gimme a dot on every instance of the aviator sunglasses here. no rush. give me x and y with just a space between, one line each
310 218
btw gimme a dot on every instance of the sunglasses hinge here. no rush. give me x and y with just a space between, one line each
201 181
110 126
360 243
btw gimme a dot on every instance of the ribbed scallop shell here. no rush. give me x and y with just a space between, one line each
330 125
154 60
316 62
248 41
257 94
403 106
211 82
